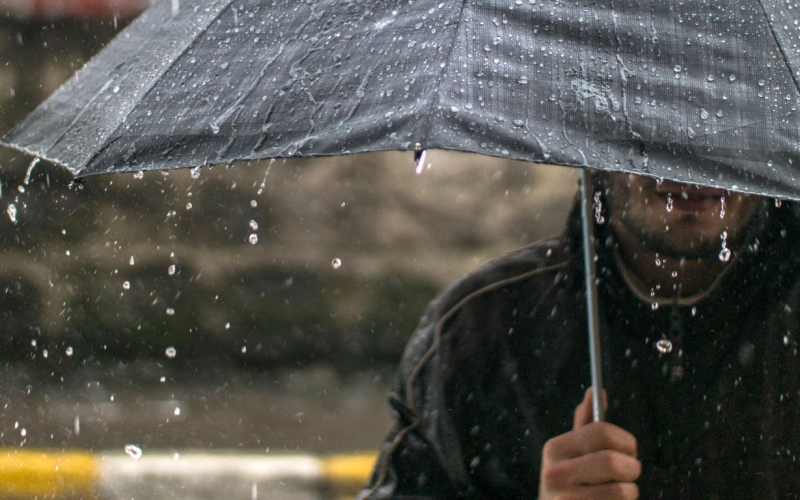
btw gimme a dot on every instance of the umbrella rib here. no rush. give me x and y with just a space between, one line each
427 127
155 82
780 47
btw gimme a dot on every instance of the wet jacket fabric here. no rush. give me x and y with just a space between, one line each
500 361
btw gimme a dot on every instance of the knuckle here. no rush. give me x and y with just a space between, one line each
555 475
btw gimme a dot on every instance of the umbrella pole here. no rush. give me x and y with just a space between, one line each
591 293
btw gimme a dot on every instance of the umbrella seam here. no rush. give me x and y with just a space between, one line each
428 123
780 47
155 82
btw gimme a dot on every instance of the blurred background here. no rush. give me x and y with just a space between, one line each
258 308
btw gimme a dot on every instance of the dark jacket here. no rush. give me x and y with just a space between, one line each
500 361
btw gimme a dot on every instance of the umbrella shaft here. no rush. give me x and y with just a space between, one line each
591 294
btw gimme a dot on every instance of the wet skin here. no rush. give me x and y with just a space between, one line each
597 460
686 241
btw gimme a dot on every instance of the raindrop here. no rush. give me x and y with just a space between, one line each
732 77
126 285
45 353
21 189
133 451
132 261
725 252
703 114
598 208
337 263
162 379
487 48
691 133
69 351
171 269
778 202
23 432
710 78
523 80
719 113
669 203
694 311
227 326
12 213
170 311
654 306
175 456
676 69
171 352
761 83
722 207
189 206
176 6
497 40
253 239
785 340
30 169
177 411
244 349
253 203
664 346
196 172
254 225
116 88
138 175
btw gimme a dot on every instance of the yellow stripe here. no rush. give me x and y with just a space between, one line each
26 474
346 475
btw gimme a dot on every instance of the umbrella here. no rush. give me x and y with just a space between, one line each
686 90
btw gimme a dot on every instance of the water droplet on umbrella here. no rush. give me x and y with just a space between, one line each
196 172
664 346
598 208
669 203
732 77
126 285
710 78
138 175
719 113
676 69
337 263
171 352
722 208
133 451
523 80
69 351
761 83
253 239
254 225
703 114
778 202
170 311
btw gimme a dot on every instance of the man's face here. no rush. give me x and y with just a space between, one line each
677 220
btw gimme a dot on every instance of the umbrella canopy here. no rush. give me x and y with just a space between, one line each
688 90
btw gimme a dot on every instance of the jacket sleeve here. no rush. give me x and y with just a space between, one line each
413 464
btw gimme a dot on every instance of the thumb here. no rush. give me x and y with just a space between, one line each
583 412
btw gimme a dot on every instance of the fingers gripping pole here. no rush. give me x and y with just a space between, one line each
587 224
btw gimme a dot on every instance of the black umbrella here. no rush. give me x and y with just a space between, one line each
687 90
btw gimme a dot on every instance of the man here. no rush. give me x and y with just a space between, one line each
699 295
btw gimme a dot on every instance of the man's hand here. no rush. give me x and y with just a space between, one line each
596 460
